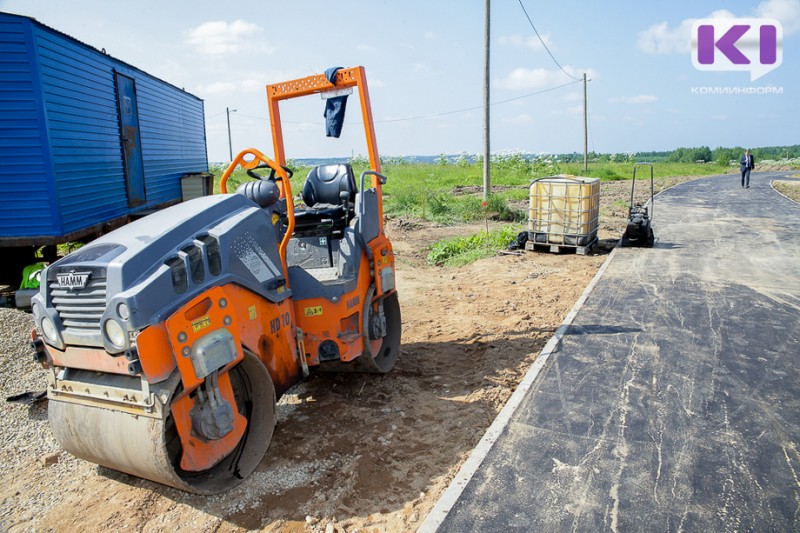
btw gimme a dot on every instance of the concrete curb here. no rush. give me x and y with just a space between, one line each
772 186
476 458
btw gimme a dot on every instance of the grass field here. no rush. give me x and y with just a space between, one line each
451 193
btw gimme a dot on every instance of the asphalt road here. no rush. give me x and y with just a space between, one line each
673 402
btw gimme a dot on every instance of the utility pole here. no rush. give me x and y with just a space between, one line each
487 184
585 130
230 144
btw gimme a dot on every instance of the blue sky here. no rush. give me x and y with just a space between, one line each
425 58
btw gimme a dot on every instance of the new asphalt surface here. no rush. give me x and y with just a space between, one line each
673 400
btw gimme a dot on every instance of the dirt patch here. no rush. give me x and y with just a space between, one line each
350 453
775 168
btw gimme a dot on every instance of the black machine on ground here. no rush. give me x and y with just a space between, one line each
639 231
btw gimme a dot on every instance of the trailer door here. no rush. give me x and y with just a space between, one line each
131 142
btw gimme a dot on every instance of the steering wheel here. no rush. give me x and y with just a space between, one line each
272 176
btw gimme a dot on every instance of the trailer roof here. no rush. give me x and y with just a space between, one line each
100 51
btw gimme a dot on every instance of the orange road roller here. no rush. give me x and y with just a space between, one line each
168 341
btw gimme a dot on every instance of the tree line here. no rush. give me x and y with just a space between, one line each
701 154
721 155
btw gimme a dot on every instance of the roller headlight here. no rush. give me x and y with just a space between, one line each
49 330
115 333
123 311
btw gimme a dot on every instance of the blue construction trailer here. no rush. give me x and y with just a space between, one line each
86 141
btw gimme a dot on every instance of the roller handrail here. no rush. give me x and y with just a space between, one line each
285 187
381 179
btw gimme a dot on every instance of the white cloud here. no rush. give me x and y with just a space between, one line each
218 87
302 127
376 84
531 42
218 37
539 78
721 14
420 68
524 78
639 99
523 118
252 85
229 87
787 12
661 39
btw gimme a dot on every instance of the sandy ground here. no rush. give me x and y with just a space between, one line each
350 453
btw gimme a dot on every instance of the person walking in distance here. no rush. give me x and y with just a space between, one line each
746 164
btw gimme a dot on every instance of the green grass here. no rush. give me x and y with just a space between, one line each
441 205
426 190
459 251
609 171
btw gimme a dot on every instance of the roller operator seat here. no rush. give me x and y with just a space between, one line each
330 194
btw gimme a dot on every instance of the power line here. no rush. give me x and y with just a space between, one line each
543 44
538 92
251 116
464 110
436 115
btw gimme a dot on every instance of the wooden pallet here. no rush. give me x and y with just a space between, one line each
560 248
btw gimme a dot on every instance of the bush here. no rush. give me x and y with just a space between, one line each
607 174
472 208
459 251
415 200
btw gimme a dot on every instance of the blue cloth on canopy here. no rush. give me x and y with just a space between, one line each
334 108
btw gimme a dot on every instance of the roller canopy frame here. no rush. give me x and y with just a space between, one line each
354 77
